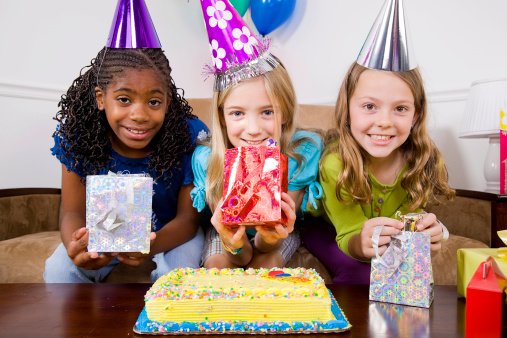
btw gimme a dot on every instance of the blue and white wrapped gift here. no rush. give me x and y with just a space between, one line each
118 212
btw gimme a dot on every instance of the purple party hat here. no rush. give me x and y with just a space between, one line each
132 27
236 53
388 45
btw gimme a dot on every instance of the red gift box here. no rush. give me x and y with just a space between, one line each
254 178
485 299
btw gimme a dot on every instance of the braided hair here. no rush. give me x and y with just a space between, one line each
85 129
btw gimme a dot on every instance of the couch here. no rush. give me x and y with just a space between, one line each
29 225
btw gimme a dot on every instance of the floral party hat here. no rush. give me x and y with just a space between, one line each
388 45
132 26
236 53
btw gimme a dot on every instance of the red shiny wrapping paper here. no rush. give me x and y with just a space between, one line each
254 178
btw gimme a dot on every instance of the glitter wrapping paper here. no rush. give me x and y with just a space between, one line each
118 212
254 178
409 283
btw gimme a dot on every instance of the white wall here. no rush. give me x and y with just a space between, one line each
44 44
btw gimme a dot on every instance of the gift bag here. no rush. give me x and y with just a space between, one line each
118 212
254 178
403 274
485 310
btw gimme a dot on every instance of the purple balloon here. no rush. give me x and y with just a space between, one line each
132 26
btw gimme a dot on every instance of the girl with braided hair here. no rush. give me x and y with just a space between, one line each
124 114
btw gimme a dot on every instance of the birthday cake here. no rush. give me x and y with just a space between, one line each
237 300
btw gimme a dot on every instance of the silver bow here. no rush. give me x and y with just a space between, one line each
394 249
113 217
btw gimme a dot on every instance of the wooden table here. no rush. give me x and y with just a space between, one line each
111 310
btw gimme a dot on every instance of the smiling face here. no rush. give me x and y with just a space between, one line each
135 105
249 114
381 113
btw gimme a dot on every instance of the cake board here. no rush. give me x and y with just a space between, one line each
145 326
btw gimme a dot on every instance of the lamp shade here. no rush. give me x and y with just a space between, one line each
482 112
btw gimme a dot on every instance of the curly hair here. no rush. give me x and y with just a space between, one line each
426 177
85 129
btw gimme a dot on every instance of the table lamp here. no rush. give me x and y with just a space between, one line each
487 98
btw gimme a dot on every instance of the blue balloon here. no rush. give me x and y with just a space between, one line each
268 15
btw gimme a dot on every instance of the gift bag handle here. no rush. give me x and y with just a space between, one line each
485 270
494 266
392 249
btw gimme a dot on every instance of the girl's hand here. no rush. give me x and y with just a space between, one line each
271 235
233 238
430 225
135 258
77 251
391 227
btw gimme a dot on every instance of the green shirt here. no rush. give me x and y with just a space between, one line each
348 217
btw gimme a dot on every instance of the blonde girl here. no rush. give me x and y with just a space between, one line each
250 113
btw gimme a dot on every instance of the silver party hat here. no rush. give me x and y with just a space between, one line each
388 46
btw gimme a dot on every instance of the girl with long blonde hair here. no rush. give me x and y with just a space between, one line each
254 101
249 113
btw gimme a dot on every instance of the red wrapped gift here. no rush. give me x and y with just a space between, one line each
254 178
485 299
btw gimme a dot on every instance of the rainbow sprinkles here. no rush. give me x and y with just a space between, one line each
240 301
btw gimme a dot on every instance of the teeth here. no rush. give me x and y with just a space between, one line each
136 131
380 137
254 142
